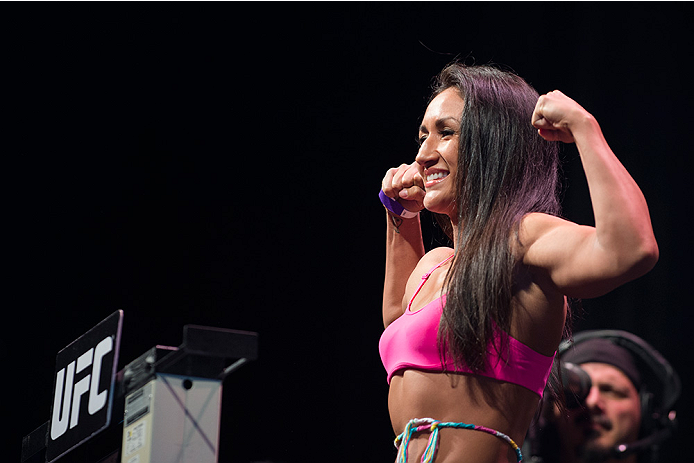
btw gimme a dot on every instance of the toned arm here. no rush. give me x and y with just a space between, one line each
585 261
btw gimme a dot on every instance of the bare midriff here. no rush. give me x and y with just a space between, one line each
466 398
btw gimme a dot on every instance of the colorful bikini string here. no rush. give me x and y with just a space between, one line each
432 425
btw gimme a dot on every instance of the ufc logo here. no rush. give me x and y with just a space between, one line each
70 395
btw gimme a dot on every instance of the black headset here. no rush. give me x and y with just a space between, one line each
661 385
659 391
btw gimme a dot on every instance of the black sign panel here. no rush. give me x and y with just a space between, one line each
85 377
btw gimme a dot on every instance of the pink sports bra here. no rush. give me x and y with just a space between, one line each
411 342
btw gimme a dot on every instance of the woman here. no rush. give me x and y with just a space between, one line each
471 332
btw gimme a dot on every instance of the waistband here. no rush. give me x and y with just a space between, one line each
429 424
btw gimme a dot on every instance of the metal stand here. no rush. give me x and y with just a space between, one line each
173 397
170 398
172 419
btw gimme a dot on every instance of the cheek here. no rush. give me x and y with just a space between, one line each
629 419
451 157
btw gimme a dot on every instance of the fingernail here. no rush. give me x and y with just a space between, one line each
403 194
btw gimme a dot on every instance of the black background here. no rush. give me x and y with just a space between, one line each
218 164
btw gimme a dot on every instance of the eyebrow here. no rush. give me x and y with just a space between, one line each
439 123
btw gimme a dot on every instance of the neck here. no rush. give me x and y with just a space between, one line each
454 232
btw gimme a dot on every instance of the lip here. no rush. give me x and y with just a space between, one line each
598 425
434 176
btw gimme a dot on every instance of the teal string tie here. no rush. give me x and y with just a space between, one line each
429 424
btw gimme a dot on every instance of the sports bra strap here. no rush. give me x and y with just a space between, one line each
425 277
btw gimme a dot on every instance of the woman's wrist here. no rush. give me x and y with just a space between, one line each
394 208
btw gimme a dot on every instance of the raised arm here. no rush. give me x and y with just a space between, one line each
587 261
404 245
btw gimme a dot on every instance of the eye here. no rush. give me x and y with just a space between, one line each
421 139
447 132
613 391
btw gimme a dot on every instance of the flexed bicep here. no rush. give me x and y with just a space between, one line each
571 257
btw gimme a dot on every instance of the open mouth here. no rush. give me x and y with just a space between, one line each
434 178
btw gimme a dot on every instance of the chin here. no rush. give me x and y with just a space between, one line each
594 452
438 205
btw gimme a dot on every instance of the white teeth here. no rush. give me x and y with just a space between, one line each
436 176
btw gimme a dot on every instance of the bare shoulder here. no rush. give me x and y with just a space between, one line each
540 235
536 225
432 258
428 262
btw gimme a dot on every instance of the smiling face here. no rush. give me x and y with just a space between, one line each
439 137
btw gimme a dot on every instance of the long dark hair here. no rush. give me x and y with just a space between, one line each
505 171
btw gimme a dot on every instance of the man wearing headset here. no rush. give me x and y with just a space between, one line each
619 391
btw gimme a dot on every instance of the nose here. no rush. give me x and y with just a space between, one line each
427 155
594 399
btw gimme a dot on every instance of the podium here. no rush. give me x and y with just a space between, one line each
163 407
